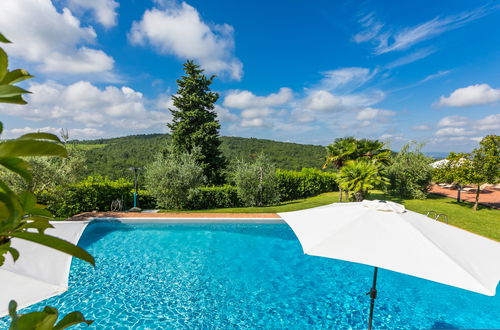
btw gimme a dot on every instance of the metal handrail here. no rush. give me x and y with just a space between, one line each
442 215
434 215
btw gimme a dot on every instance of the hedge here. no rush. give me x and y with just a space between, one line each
92 194
306 183
214 197
96 193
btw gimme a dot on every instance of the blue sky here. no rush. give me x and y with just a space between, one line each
297 71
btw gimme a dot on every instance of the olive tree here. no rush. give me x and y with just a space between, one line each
410 173
256 181
173 178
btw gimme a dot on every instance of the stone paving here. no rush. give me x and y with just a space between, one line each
488 197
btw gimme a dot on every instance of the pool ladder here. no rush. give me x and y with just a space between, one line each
437 216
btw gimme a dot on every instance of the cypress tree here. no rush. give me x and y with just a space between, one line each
195 122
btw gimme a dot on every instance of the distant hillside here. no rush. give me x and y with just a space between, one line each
113 157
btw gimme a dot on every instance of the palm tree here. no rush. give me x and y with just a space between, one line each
360 176
343 150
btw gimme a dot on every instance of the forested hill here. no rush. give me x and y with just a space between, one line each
113 157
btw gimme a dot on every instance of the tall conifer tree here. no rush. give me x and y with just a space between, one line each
195 122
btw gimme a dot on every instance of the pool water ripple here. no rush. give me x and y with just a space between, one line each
232 276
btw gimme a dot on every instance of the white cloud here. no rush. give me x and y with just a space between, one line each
454 121
104 11
73 133
255 122
421 128
224 115
410 58
179 30
90 106
491 122
388 40
325 101
246 99
52 39
352 77
471 95
371 113
453 131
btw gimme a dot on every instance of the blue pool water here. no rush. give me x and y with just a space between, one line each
247 276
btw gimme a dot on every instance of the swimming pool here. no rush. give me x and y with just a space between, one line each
247 276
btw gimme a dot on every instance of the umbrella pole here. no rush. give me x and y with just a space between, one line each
373 296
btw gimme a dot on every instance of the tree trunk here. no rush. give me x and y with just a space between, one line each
476 202
458 193
358 195
340 194
347 195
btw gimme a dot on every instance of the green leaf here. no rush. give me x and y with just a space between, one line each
21 148
4 40
57 244
39 136
43 320
27 200
15 76
72 319
10 90
38 223
17 165
4 63
18 99
6 248
12 310
1 127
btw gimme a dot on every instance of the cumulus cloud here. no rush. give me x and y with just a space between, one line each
454 121
103 11
179 30
325 101
421 128
371 113
471 95
90 106
50 38
246 99
453 131
491 122
387 39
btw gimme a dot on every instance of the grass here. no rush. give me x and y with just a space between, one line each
484 221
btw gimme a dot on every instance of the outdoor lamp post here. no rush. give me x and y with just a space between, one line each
136 175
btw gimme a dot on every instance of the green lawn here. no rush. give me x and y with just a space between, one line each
484 222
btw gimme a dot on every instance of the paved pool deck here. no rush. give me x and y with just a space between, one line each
149 216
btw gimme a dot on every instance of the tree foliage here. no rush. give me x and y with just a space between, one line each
114 156
256 181
195 124
479 167
359 176
409 173
173 178
349 148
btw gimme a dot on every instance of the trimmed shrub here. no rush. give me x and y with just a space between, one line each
94 193
214 197
306 183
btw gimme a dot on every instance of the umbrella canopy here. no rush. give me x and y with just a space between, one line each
384 234
40 272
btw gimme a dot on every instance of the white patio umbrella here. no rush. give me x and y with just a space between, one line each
384 234
40 272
